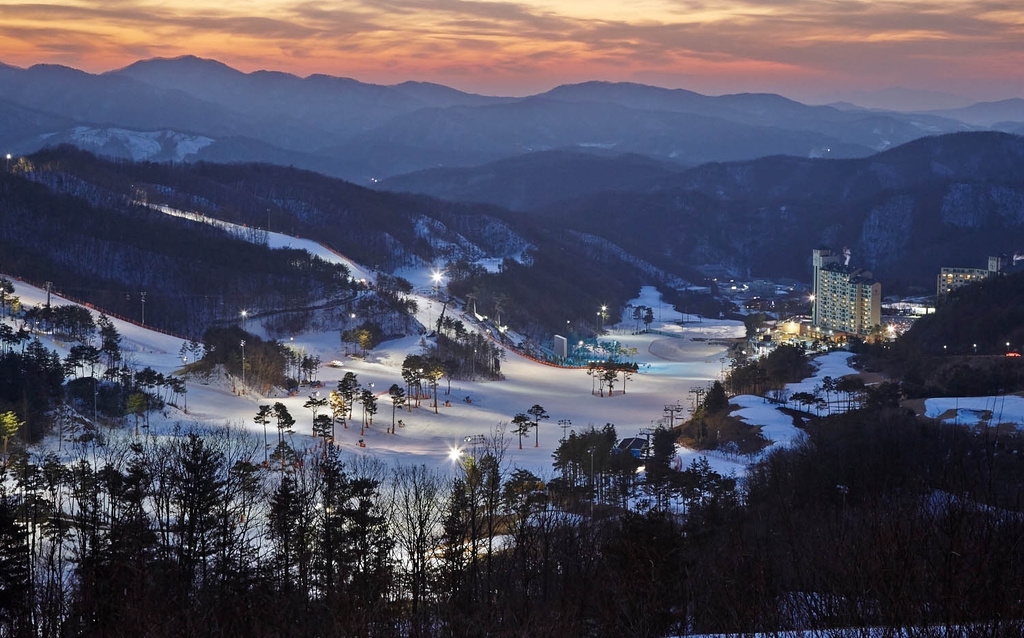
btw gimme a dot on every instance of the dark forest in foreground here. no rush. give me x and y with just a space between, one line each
878 519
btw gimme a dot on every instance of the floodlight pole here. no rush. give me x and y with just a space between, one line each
243 366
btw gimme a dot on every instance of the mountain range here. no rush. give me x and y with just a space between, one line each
365 132
947 200
679 185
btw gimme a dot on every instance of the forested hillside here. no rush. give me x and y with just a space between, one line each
97 245
961 349
940 201
381 230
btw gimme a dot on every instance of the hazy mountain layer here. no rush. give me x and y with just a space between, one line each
366 132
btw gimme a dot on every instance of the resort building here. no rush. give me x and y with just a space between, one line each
846 299
952 278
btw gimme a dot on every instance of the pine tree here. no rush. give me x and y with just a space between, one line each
397 401
110 340
538 413
347 387
9 426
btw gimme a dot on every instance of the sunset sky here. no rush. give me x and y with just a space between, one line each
803 48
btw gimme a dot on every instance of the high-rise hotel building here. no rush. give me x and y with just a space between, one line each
846 299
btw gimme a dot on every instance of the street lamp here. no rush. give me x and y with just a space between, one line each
454 454
245 314
8 162
184 384
243 366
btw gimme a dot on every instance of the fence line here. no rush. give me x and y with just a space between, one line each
90 306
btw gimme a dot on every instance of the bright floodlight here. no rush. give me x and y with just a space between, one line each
245 313
454 454
437 275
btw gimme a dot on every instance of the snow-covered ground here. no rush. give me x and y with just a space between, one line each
978 411
834 364
672 359
777 426
670 366
137 145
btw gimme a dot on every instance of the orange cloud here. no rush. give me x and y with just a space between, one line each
510 47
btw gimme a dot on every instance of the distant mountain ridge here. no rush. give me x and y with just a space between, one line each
536 179
950 200
365 132
875 130
1000 114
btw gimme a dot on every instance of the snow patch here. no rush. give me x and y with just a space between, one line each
977 411
137 146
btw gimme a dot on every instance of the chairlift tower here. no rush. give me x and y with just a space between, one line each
671 410
647 433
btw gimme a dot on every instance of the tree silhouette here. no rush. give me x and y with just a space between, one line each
397 401
9 426
315 403
538 413
263 416
522 424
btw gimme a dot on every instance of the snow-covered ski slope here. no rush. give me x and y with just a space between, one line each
672 359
